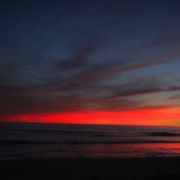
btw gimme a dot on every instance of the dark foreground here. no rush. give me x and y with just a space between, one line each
91 169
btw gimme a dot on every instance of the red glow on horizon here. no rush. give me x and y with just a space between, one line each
148 117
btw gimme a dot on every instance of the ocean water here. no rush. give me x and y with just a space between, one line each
23 140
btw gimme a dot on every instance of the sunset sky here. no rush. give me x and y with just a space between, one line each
90 61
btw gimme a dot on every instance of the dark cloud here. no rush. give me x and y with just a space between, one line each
77 92
68 56
160 41
176 97
132 91
58 98
78 59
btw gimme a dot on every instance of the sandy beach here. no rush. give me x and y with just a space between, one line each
91 169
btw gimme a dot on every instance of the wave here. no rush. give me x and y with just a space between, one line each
95 133
118 142
50 131
166 134
65 132
27 142
70 133
13 142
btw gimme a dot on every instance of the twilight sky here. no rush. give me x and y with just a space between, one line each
90 61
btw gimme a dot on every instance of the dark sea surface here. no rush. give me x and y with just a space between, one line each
25 140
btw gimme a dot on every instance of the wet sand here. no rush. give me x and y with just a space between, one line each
91 169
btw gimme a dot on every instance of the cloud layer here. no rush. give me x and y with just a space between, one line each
88 56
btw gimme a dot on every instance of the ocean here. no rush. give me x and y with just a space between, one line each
32 140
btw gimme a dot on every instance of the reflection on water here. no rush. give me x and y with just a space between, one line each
38 140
